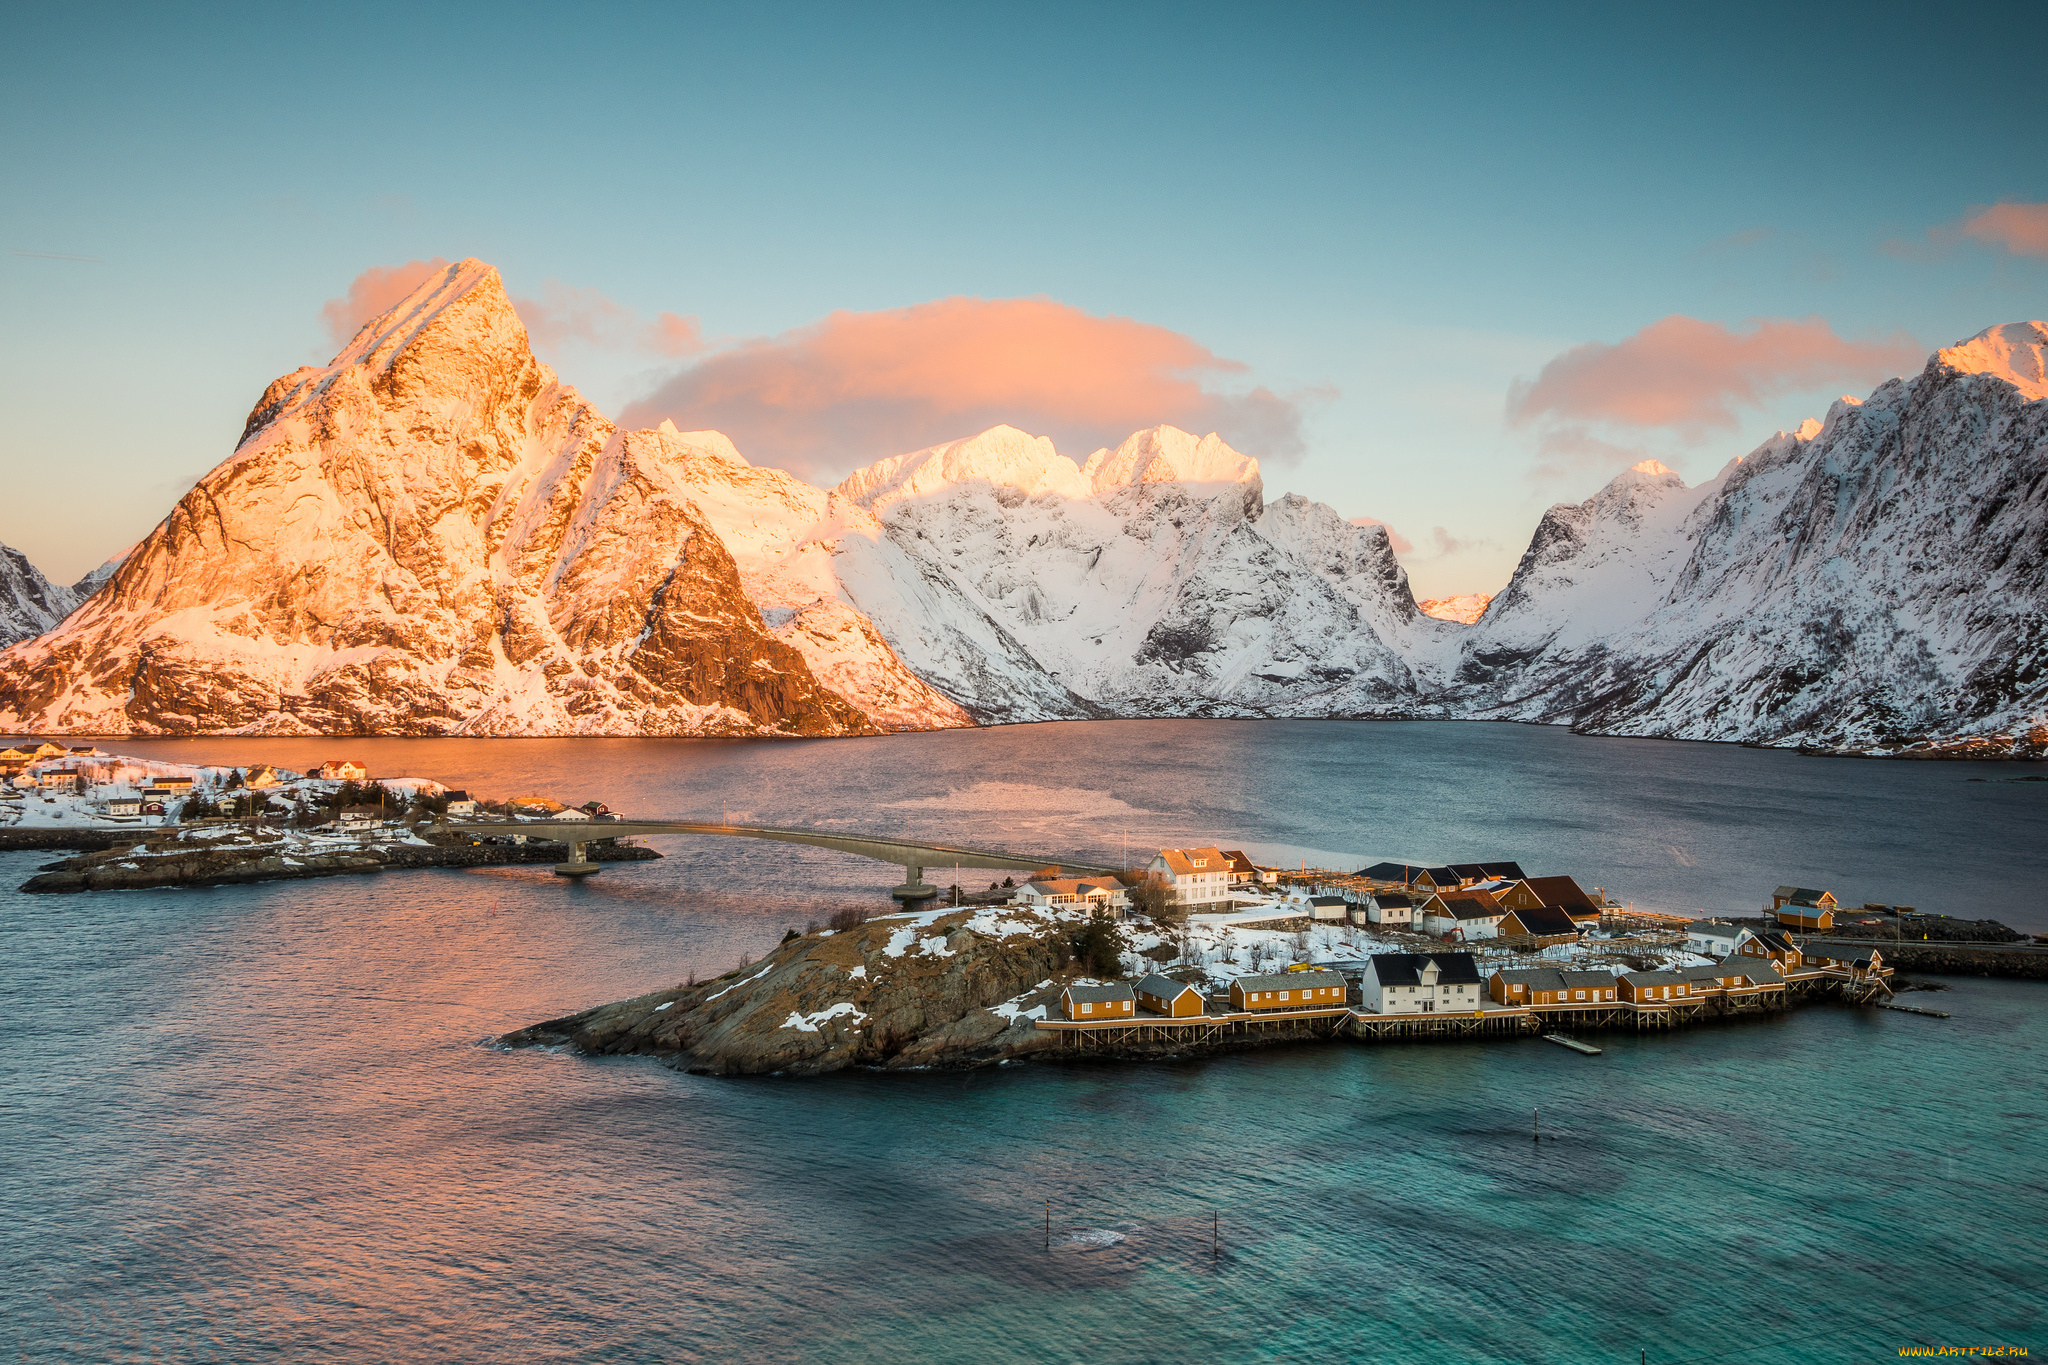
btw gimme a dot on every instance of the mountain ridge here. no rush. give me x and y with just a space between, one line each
448 539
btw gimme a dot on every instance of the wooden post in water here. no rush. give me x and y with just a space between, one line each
1048 1225
1535 1125
1215 1234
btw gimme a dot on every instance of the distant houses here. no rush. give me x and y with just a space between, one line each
461 804
343 770
1712 938
1538 921
1462 915
1800 907
1541 986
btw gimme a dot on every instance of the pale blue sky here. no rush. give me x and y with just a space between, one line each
1396 213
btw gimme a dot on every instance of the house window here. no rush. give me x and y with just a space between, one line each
1087 1008
1283 995
1578 995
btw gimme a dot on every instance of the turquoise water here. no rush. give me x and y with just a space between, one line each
255 1123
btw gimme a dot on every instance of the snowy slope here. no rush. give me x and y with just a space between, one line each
431 535
1860 583
29 603
1137 583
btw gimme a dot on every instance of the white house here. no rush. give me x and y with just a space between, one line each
1198 879
1422 983
1388 907
461 805
1462 915
343 770
1710 938
124 805
1099 893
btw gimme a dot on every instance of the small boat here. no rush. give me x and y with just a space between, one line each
1572 1043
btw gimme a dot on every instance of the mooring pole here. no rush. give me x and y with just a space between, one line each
1048 1225
1535 1125
1215 1234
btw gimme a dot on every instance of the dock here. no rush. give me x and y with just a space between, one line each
1574 1044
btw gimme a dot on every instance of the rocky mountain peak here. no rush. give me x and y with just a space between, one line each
1164 454
2016 352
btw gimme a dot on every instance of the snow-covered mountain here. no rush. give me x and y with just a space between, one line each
431 535
1465 608
434 535
29 603
1864 582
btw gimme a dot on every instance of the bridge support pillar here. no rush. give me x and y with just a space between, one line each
913 891
579 864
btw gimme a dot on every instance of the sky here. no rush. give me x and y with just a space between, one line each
1440 266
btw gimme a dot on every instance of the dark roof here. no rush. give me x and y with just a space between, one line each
1238 862
1281 981
457 796
1405 969
1392 872
1776 943
1439 874
1327 900
1578 979
1165 987
1120 991
1546 919
1714 927
1386 898
1655 978
1471 907
1561 891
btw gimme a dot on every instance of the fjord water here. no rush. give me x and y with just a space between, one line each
256 1122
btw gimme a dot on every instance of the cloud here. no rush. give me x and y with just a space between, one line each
2021 229
1688 376
373 291
1402 545
856 386
565 313
1444 543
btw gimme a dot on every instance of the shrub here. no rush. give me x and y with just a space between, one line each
852 917
1098 946
1152 900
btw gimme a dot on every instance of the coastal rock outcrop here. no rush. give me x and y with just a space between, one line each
957 989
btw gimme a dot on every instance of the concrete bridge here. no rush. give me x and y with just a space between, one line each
912 856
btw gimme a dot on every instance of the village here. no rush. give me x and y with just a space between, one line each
1227 947
1210 944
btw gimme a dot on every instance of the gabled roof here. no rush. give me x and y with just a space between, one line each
1655 978
1776 942
1327 900
1709 971
1575 980
1462 906
1443 876
1563 892
457 796
1289 980
1481 872
1546 919
1800 895
1395 898
1181 861
1758 972
1405 969
1239 864
1706 928
1165 987
1097 994
1392 872
1536 978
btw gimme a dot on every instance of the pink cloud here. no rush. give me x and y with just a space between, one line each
1688 376
566 313
1402 545
857 386
673 335
2021 229
373 291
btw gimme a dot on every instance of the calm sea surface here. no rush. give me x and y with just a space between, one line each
255 1123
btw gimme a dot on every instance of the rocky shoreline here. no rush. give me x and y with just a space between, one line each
129 867
955 989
